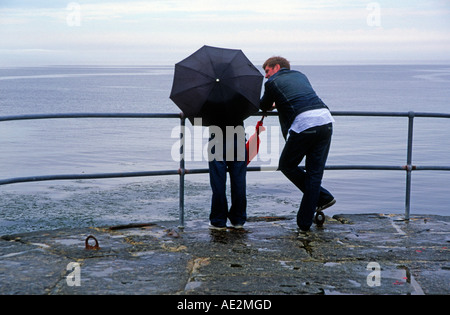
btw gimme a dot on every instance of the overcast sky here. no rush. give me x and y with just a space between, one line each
162 32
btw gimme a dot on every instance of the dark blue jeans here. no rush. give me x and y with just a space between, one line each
314 144
218 178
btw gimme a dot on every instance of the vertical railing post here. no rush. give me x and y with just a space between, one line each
409 166
182 170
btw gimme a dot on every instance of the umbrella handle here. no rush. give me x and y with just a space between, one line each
259 125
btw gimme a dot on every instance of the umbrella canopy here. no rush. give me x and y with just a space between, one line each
219 85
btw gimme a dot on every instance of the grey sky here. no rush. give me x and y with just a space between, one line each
165 31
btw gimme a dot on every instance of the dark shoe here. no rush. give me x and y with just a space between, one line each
303 228
217 228
326 205
237 226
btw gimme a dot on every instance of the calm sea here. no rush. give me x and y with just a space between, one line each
77 146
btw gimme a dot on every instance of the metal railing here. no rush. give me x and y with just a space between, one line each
182 171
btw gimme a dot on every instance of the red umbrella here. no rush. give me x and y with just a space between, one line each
252 144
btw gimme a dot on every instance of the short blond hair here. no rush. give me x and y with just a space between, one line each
277 60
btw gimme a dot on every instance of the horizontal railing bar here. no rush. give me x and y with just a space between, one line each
431 115
175 115
360 113
431 168
369 113
375 114
336 167
89 115
390 114
86 176
203 171
365 167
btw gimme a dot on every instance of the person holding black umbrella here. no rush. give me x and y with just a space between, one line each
226 153
307 126
223 88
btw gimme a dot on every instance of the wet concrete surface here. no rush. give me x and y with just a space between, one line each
350 254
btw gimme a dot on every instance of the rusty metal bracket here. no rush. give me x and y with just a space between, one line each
409 168
90 247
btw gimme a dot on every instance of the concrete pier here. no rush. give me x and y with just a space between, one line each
350 254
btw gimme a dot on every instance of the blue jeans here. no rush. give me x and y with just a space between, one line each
218 178
314 144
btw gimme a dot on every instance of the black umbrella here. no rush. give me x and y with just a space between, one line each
219 85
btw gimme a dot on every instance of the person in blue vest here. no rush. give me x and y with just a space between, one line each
307 126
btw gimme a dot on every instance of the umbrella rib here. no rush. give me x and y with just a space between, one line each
231 61
194 87
195 70
244 75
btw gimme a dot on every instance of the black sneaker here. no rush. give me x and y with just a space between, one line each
326 205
